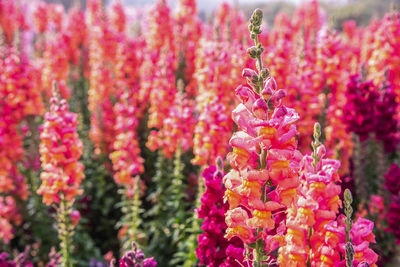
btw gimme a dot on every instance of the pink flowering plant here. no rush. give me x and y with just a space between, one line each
147 148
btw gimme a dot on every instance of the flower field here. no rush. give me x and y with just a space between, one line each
155 137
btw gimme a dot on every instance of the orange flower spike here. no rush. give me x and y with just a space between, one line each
125 155
19 99
62 172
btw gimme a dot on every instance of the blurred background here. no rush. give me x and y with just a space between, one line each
338 11
104 205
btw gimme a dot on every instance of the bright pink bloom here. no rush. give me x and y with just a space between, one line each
177 130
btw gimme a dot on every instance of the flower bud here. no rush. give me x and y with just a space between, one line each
220 163
139 255
266 92
279 94
264 72
257 16
249 73
347 196
75 217
321 151
131 255
127 261
24 129
251 27
349 254
260 108
252 51
218 175
349 249
317 131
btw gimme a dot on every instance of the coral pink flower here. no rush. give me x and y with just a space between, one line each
160 46
384 53
177 130
19 98
216 65
9 216
11 20
125 156
101 52
55 65
75 34
164 91
41 17
187 34
60 150
118 17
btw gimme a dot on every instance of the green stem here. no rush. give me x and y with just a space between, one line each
135 220
259 61
178 185
259 250
258 255
65 232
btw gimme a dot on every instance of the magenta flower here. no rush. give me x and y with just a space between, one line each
214 249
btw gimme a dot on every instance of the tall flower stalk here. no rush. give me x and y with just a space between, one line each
316 204
125 157
60 150
264 159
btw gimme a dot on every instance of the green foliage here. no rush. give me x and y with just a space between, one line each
186 255
159 243
369 168
170 224
187 246
85 249
96 233
131 208
370 163
98 206
37 229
